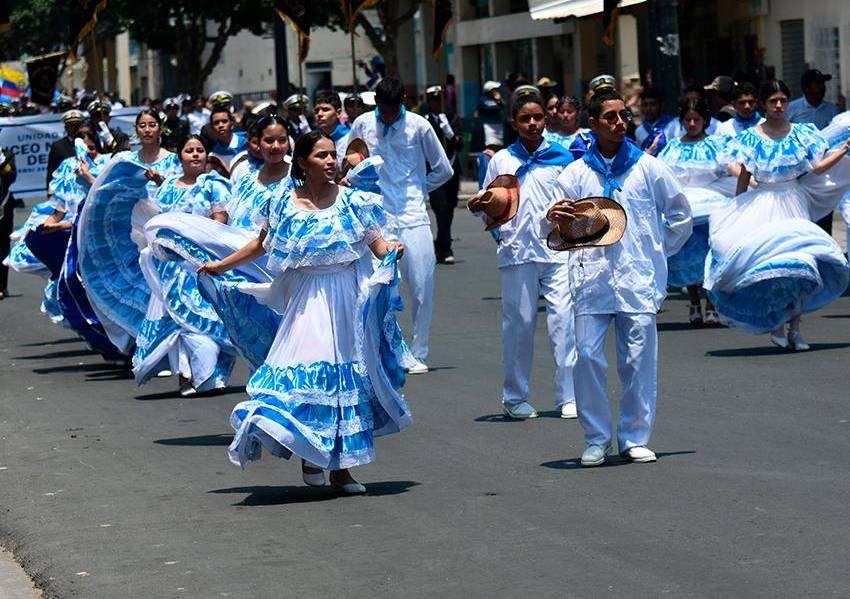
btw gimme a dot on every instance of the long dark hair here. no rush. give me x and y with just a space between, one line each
303 147
256 129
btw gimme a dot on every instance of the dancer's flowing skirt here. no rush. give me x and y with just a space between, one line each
329 382
768 261
687 266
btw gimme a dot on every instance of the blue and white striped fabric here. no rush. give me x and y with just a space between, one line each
20 258
117 207
249 205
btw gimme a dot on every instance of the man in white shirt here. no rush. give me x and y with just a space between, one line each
811 106
199 116
623 283
409 147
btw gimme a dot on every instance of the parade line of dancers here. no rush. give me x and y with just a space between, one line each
288 250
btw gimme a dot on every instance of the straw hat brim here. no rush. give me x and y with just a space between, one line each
358 148
617 220
508 182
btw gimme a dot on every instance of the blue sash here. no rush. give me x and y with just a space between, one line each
626 157
550 155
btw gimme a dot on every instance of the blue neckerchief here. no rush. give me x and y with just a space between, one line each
660 123
751 122
339 132
241 142
626 157
580 144
401 116
551 155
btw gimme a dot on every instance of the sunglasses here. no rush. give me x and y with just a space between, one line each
612 117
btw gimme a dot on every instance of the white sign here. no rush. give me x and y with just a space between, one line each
29 138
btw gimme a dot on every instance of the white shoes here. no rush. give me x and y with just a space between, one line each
312 479
352 488
594 455
712 318
568 410
188 391
640 454
778 338
795 339
695 315
418 368
164 373
520 411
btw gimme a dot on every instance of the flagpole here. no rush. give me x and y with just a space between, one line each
98 83
353 59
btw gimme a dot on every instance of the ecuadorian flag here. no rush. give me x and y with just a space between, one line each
13 83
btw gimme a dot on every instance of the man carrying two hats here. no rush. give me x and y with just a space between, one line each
622 283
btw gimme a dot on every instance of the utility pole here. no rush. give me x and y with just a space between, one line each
664 56
281 64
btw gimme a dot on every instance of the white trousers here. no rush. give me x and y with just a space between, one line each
637 365
417 272
522 285
844 207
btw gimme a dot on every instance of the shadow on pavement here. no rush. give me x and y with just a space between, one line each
199 441
770 350
70 353
57 342
684 326
81 368
837 316
289 494
612 460
175 394
498 418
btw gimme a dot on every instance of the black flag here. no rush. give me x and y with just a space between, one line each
43 73
295 12
442 20
609 21
83 18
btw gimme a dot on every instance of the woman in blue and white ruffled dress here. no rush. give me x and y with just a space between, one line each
562 114
181 330
769 262
194 240
329 382
707 183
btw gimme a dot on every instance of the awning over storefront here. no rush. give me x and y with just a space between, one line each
554 9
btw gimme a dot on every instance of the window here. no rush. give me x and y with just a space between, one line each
793 54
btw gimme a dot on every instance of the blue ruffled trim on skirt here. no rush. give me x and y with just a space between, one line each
687 266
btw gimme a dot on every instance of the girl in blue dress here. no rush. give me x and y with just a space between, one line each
707 185
180 329
769 262
317 394
195 240
110 232
562 114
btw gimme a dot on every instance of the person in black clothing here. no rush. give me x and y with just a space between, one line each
444 198
8 173
64 148
109 140
175 128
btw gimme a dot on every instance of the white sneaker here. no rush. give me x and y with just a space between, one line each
188 391
795 339
164 373
568 410
594 455
520 411
313 479
418 368
352 488
640 454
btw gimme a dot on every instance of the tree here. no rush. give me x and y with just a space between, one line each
195 32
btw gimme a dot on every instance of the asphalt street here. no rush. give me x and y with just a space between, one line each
109 490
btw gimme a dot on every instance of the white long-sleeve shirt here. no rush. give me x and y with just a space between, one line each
408 147
631 275
521 241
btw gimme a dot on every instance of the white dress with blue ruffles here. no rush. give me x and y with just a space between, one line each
768 260
328 382
181 330
707 186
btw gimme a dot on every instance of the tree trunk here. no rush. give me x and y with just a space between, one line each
393 15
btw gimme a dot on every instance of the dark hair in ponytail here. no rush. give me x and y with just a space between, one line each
700 106
303 147
768 88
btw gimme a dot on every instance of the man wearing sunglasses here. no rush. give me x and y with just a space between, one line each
623 283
